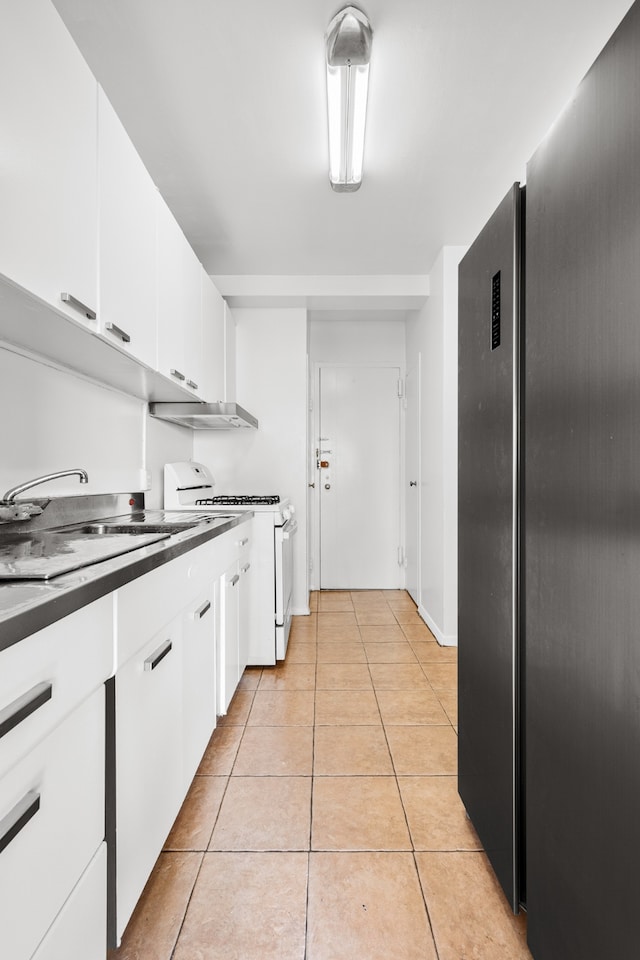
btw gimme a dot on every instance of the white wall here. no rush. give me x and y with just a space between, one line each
272 385
164 443
54 420
364 338
432 334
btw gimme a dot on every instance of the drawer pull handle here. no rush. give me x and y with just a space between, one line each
118 332
82 307
23 707
243 542
152 662
246 567
192 384
177 374
200 612
12 824
235 579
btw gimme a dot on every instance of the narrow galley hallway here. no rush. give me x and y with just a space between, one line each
324 821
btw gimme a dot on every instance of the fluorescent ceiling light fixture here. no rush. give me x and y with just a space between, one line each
348 49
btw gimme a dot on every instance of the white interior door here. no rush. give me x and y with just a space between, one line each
359 477
412 509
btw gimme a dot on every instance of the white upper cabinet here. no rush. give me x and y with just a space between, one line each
48 183
171 358
229 354
213 352
179 305
128 203
192 324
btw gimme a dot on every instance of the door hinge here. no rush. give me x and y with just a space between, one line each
400 387
400 556
311 564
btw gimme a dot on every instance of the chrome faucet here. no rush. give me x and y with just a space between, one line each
11 494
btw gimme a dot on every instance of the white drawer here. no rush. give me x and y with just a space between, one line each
45 676
232 545
147 604
44 855
79 931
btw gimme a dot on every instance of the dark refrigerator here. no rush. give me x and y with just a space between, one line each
489 755
582 508
563 754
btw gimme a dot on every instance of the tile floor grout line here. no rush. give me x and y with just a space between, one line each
426 907
186 908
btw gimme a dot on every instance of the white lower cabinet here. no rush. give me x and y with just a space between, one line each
178 663
198 679
51 826
229 653
149 781
244 612
78 932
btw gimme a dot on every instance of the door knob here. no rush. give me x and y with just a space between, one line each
413 483
327 486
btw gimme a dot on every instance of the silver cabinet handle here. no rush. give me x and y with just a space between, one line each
78 305
16 819
246 567
14 713
177 374
192 384
200 612
118 332
158 655
244 542
234 580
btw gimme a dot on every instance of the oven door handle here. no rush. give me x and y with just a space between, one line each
289 529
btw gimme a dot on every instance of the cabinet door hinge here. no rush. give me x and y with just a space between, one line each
400 556
400 387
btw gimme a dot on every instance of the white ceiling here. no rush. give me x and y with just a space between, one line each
225 102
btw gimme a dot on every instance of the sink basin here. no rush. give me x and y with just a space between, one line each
47 554
133 528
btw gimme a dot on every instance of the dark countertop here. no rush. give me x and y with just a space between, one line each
27 606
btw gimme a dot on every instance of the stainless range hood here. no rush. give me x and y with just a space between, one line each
203 416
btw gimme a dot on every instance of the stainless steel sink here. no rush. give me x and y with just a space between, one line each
136 529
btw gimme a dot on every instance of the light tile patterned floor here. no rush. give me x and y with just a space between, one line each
324 822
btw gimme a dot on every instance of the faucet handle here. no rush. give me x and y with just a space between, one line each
13 511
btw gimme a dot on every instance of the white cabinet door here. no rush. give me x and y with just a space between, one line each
170 239
198 680
80 929
51 825
48 182
192 327
229 354
149 781
213 342
127 240
179 305
229 666
244 613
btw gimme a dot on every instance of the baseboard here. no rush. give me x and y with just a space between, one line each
300 611
444 639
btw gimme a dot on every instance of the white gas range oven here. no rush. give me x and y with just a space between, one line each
189 486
